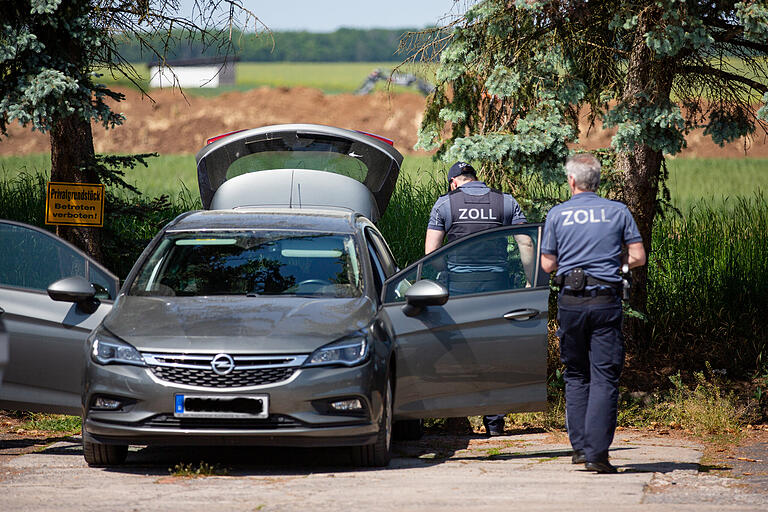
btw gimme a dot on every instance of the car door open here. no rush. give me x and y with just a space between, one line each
47 325
483 350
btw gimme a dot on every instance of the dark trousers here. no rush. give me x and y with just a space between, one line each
592 349
494 422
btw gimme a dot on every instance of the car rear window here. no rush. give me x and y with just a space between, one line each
315 159
251 263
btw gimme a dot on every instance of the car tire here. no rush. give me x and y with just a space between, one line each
408 430
100 454
378 454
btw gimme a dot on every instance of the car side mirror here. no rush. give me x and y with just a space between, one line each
75 289
424 293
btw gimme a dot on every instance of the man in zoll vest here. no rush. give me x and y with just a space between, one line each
584 241
469 207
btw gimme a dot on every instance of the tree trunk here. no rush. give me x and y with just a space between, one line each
72 159
640 166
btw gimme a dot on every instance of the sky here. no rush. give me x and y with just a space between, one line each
329 15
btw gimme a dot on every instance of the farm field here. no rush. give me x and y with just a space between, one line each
171 123
284 92
717 181
329 77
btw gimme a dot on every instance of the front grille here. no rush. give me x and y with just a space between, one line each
276 421
209 379
239 370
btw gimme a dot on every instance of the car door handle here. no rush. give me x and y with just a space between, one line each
1 311
522 314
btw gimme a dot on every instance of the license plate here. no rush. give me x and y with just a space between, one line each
207 406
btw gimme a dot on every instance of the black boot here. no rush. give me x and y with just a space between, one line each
602 466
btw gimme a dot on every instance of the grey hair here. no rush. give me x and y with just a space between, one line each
585 169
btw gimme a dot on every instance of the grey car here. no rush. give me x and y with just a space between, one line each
278 316
3 348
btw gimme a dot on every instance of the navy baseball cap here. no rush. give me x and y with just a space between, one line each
460 168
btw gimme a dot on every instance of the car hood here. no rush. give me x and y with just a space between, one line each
270 325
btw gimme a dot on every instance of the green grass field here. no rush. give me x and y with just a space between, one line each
690 180
715 179
170 174
330 77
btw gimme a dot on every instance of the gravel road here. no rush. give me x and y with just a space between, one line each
529 472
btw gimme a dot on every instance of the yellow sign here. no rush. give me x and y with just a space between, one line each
74 204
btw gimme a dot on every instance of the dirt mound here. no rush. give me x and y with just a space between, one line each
172 124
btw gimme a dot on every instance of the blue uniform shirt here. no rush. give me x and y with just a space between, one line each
588 231
440 218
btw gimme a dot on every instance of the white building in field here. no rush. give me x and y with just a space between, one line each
202 72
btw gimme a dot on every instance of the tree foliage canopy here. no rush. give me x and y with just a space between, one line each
514 75
50 48
42 81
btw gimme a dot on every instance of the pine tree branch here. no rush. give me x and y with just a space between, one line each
724 75
733 34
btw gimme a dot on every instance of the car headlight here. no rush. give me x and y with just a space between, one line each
347 351
107 349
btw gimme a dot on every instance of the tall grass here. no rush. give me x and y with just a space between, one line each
22 198
130 220
404 224
708 285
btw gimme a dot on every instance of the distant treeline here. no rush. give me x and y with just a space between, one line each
343 45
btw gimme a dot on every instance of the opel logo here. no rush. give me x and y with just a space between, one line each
222 364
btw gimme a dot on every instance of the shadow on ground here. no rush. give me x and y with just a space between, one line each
21 445
281 461
657 467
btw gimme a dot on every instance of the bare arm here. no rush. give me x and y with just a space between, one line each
433 240
549 263
635 255
527 256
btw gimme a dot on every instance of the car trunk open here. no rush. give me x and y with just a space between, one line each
299 166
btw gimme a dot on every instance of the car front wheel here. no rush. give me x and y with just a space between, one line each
378 454
99 454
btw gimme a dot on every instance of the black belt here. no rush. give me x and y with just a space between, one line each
591 293
590 281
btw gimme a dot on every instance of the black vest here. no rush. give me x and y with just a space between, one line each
470 214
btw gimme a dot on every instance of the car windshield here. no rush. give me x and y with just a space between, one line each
251 263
